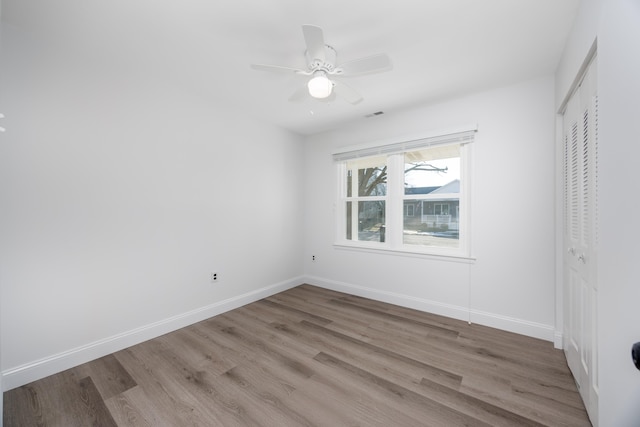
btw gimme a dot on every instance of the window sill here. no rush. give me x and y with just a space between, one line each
405 252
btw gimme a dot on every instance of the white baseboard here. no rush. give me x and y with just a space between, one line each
511 324
434 307
21 375
558 340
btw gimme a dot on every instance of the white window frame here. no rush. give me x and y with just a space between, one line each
395 197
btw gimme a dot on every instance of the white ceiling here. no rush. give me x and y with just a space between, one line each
439 48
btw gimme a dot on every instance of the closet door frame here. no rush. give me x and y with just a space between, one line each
579 238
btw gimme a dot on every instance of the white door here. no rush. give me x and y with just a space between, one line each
580 126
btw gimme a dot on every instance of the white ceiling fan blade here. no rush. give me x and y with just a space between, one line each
346 92
329 99
302 94
314 40
278 69
369 65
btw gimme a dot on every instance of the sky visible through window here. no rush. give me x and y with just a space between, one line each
432 179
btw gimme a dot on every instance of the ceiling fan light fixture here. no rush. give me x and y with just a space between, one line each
321 66
320 86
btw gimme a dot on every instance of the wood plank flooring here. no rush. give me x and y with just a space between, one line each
313 357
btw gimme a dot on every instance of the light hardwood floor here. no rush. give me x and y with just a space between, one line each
311 356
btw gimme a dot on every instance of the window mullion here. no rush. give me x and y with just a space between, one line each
465 199
355 208
395 187
340 204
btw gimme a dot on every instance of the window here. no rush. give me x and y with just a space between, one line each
409 209
408 197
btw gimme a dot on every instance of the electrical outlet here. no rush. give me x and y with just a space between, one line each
313 258
214 277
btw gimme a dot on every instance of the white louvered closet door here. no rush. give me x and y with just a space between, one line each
580 139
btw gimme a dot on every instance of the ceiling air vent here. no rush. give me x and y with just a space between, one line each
377 113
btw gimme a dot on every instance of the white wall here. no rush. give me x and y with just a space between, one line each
1 379
619 286
619 283
616 25
120 194
512 281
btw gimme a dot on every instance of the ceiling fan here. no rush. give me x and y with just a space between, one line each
322 68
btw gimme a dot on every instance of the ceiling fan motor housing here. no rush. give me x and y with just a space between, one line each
329 63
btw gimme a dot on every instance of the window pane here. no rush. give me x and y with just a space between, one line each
372 176
349 181
372 181
432 170
433 223
371 221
